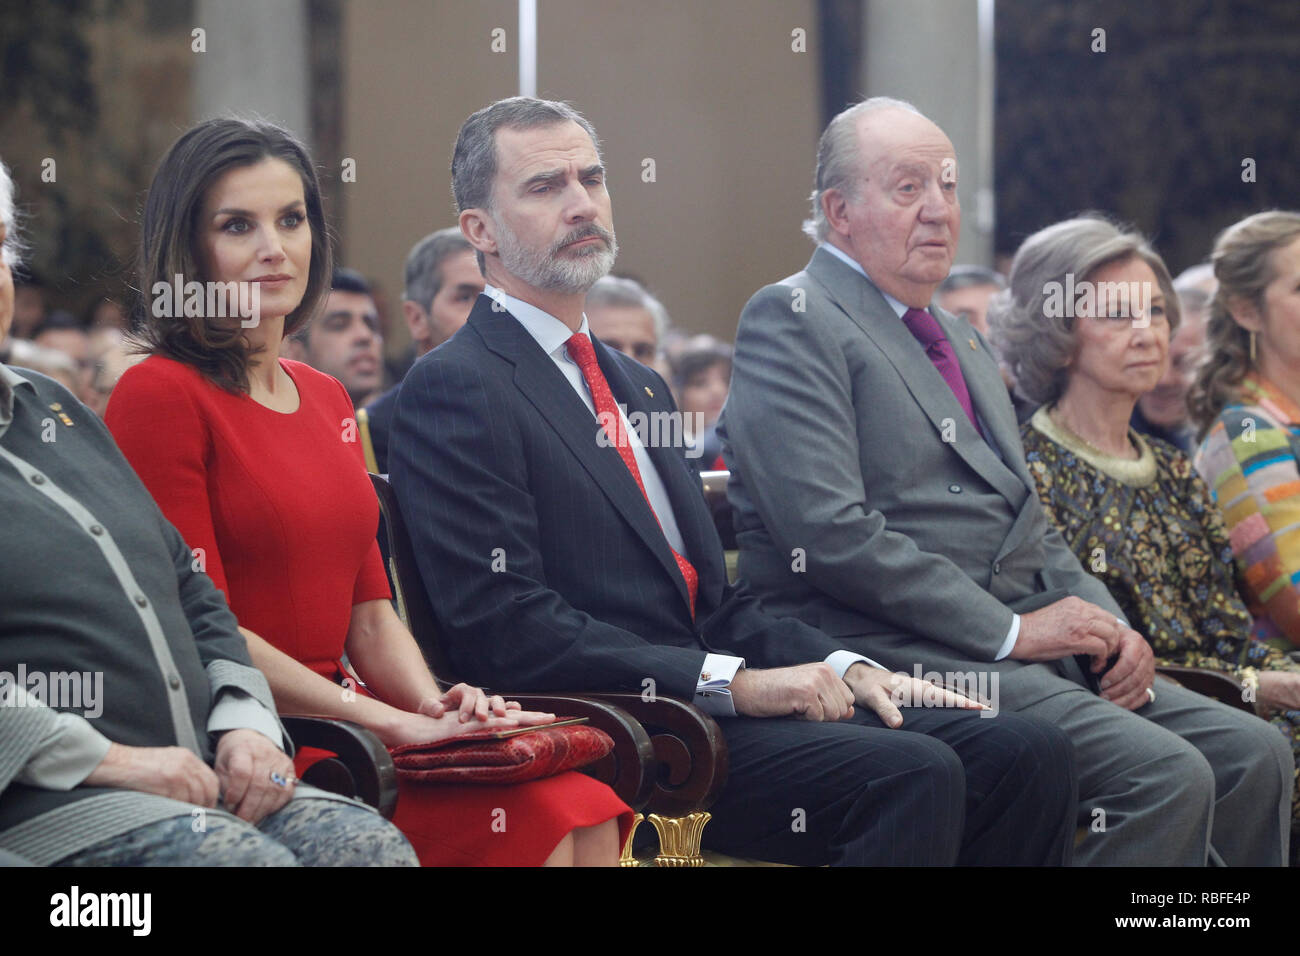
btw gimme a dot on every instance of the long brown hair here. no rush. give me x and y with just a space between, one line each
1243 266
168 243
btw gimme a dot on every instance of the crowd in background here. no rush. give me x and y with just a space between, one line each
440 282
1162 432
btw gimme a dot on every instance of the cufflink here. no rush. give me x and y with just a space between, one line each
706 676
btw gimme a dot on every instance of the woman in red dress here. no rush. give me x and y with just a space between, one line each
255 459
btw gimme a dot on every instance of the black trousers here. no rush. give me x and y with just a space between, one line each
948 787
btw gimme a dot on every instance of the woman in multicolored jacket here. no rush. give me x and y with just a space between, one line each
1246 402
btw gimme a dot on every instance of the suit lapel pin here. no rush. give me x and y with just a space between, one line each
649 392
972 344
57 408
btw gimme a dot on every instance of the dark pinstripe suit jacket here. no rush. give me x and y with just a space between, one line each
544 563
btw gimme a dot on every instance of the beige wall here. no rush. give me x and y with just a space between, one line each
905 44
710 90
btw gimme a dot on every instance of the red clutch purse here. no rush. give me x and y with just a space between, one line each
511 756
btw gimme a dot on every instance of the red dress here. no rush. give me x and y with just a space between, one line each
279 510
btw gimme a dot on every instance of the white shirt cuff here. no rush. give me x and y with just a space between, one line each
236 710
841 661
66 756
1009 644
713 691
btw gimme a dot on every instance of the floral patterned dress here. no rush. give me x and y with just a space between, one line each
1150 531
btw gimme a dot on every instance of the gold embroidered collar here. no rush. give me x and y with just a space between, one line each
1136 473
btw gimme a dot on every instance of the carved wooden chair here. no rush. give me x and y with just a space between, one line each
669 761
361 766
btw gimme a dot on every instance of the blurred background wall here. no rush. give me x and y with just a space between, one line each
710 92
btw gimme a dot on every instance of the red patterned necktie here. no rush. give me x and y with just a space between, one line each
581 351
925 328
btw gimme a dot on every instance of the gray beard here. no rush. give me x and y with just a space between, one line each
553 270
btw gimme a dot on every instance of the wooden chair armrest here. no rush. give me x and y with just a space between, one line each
1219 685
629 769
362 757
689 749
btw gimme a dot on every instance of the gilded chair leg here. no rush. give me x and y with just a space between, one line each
627 859
679 838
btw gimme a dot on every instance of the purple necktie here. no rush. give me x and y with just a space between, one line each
925 327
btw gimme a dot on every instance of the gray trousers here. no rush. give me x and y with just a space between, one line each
1183 781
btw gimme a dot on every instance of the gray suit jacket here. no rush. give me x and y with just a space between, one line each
866 503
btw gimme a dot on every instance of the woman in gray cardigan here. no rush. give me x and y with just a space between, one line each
133 728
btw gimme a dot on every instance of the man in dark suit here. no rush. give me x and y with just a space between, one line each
925 539
566 545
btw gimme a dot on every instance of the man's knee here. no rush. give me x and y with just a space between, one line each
834 762
1283 752
930 764
1030 739
1180 774
1034 751
1267 754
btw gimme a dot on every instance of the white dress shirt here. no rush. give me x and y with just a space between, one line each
713 688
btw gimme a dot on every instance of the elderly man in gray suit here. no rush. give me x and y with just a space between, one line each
881 494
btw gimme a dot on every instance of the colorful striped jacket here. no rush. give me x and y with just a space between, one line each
1250 460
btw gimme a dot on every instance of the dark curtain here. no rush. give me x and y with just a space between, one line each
1155 129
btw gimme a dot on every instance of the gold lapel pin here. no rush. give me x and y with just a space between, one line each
57 407
972 344
649 392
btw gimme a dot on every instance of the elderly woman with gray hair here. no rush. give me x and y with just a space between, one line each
1085 329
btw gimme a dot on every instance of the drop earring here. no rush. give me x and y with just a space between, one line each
1252 348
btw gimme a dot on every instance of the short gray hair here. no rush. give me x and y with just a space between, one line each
837 152
423 274
41 358
12 249
616 292
1036 346
1195 275
1192 296
474 160
969 277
